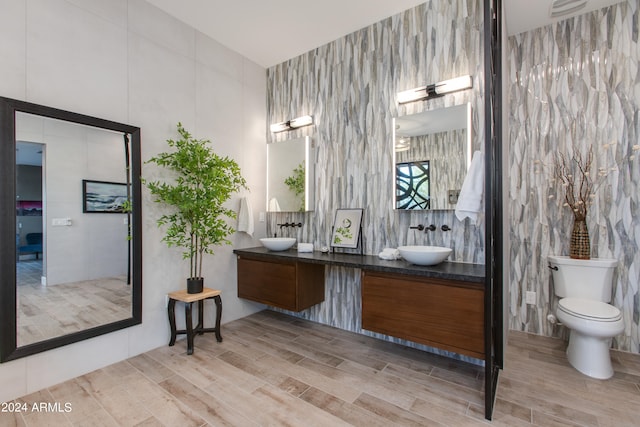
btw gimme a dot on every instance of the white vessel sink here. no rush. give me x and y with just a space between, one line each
277 243
424 255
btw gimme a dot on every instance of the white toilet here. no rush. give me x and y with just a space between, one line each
584 289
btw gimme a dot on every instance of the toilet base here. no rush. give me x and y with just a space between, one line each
590 355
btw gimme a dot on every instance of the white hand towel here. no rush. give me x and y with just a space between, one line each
389 254
471 197
305 247
245 217
274 206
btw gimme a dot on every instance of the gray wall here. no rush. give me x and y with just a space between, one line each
126 61
573 84
350 87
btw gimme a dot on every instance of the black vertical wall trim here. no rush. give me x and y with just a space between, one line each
493 202
498 294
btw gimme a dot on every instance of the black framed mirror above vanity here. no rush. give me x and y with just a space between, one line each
68 272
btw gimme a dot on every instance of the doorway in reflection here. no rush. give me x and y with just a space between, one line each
29 211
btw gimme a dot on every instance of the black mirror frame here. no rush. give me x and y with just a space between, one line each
8 301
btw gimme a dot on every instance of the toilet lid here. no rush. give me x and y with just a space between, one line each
589 309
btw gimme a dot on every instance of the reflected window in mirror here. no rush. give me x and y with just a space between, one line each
75 273
291 175
431 156
412 185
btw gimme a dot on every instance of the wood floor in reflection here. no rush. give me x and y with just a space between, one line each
51 311
275 370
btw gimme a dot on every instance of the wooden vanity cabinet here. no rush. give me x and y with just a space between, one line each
446 314
290 285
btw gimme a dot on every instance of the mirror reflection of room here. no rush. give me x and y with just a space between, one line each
290 171
72 267
431 151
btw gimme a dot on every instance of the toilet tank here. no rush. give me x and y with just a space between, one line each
579 278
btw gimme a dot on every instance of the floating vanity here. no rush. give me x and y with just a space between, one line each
442 313
439 306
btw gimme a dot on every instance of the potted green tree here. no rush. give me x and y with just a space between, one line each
195 197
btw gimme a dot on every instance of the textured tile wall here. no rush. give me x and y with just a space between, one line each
571 85
349 87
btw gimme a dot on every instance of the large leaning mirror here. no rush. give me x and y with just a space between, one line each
70 257
290 175
432 153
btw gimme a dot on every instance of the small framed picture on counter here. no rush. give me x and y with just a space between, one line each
346 228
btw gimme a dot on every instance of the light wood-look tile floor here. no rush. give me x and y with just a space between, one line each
275 370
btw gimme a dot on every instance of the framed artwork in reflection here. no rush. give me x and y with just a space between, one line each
103 197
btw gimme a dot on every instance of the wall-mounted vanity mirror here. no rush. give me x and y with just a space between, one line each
432 153
70 254
291 175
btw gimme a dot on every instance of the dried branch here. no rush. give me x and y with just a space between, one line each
575 176
579 182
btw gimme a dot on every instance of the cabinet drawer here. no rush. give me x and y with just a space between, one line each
267 282
289 285
439 313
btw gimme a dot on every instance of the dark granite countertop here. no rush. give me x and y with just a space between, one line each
446 270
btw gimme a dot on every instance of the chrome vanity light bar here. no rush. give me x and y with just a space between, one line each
435 90
291 124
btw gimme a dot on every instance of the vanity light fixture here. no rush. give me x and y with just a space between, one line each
292 124
565 7
435 90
